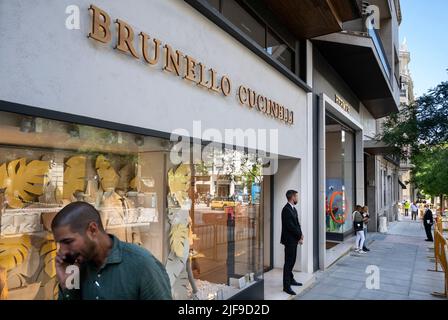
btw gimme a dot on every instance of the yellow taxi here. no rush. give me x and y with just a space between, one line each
219 204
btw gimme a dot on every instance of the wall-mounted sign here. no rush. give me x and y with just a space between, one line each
179 64
342 103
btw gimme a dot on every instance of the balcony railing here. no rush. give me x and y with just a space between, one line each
373 33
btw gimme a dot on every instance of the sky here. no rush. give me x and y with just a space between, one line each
425 27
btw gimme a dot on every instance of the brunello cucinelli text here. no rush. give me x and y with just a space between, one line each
154 52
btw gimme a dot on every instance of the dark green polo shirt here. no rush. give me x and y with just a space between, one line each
130 273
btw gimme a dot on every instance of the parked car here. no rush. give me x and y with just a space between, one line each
220 203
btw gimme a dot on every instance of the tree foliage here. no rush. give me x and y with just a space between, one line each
419 132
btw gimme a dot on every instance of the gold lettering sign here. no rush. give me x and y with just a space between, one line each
250 98
341 102
176 63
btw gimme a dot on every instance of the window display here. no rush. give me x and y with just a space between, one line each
48 164
226 222
340 177
142 197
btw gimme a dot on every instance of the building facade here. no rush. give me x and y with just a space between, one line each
184 123
355 85
410 193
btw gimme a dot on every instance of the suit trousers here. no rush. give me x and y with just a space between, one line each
290 261
428 232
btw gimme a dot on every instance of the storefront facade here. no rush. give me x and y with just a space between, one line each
355 85
102 113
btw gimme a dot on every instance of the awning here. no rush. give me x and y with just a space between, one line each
357 60
375 147
313 18
403 186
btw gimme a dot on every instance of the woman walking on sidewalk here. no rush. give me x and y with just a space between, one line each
358 226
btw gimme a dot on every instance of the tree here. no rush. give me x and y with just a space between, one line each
420 125
429 173
419 132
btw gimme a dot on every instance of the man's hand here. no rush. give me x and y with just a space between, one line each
301 239
61 266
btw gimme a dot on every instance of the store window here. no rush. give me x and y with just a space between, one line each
242 15
340 178
215 4
279 50
245 21
227 246
201 220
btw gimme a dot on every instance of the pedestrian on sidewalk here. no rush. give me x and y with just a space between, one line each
291 236
428 221
358 226
414 211
407 206
366 216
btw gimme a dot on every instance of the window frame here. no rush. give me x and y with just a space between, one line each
299 78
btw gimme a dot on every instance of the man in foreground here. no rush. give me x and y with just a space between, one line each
109 268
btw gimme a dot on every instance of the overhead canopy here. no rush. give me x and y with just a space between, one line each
403 186
313 18
355 58
375 147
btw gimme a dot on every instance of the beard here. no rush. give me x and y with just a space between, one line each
86 254
71 258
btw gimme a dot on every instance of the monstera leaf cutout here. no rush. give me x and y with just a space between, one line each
3 285
133 184
23 182
179 182
125 175
14 251
179 178
48 250
108 176
74 176
178 237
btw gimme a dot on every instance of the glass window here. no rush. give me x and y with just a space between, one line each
227 235
46 164
280 51
257 30
340 177
202 219
214 4
244 21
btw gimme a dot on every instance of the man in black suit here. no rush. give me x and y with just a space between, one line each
291 237
428 221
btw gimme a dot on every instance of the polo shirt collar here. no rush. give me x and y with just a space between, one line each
115 255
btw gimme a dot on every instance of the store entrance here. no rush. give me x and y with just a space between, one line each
340 180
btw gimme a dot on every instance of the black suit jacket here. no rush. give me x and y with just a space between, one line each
428 216
291 231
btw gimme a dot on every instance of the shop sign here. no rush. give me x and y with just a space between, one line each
179 64
343 104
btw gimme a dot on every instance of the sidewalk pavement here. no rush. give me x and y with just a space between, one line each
273 284
403 258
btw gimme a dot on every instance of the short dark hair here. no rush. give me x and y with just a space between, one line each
290 193
77 215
